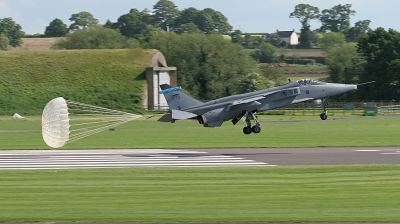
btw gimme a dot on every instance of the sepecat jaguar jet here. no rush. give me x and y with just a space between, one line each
215 112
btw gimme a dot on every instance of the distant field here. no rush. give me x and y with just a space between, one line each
301 52
30 44
45 44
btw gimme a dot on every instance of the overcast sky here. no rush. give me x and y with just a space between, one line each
250 16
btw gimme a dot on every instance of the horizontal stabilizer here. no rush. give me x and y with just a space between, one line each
182 115
166 117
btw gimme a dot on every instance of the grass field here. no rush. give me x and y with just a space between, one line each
353 193
367 193
340 130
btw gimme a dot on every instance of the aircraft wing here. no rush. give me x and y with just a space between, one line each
251 101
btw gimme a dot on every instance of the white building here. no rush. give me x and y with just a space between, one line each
289 37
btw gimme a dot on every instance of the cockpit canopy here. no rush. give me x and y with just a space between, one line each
305 82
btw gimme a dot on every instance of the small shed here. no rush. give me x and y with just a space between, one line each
289 37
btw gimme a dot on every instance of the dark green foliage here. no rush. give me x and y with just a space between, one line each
266 53
305 37
4 42
106 78
56 28
207 20
82 20
381 50
134 24
336 19
305 13
12 31
165 13
207 64
188 28
360 28
95 38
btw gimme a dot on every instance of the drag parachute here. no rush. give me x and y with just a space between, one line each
65 121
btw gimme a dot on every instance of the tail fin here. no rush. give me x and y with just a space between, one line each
176 99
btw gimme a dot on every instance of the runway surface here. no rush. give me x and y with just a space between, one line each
67 159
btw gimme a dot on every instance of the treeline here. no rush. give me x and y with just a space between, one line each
214 61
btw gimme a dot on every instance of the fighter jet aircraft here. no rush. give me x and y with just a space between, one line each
215 112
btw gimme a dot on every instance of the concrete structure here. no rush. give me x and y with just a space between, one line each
289 37
158 73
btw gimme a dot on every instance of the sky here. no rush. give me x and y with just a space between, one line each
249 16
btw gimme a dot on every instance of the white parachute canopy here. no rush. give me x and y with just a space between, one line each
65 121
17 116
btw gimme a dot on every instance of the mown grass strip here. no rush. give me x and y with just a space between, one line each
367 193
148 133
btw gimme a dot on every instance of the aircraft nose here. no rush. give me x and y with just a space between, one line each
335 88
349 87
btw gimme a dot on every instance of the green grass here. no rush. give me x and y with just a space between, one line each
368 193
29 79
189 134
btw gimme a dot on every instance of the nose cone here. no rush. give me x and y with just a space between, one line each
350 87
335 88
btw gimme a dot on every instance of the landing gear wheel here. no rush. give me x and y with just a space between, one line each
247 130
256 129
323 116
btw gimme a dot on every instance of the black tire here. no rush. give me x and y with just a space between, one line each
256 129
323 116
247 130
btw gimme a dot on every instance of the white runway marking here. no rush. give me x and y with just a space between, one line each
366 150
67 159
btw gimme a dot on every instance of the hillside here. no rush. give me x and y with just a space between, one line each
108 78
32 44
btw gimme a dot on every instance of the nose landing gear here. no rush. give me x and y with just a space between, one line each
324 115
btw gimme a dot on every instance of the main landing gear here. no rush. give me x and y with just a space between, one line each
248 129
324 115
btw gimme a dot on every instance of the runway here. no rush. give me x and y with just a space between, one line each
70 159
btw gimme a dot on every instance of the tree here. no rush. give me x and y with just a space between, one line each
361 27
186 16
134 24
305 40
209 65
95 38
336 19
188 28
56 28
250 82
4 42
332 39
339 59
266 54
209 20
82 20
381 50
12 31
165 12
305 13
237 37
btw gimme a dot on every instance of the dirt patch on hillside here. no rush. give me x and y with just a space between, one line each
32 44
302 53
